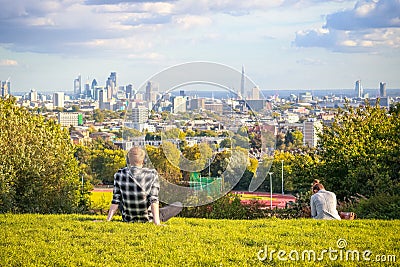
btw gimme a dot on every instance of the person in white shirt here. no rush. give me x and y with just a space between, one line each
323 204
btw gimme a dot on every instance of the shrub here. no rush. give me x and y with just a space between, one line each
379 207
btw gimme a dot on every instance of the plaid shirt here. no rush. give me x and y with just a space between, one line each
135 189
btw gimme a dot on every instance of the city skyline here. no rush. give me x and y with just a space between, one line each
305 44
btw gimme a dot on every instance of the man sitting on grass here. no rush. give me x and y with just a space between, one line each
323 204
136 192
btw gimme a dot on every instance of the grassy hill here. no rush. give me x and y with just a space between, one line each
77 240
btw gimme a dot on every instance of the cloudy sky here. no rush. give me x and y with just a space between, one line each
283 44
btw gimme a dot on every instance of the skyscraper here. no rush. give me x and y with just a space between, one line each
111 85
382 89
102 98
5 88
78 86
151 92
87 92
129 91
359 89
93 88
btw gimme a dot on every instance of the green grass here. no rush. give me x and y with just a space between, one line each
76 240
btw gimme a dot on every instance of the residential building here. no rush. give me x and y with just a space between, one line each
311 128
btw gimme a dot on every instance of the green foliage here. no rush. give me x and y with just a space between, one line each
379 207
100 202
38 171
98 115
165 159
361 152
76 240
106 162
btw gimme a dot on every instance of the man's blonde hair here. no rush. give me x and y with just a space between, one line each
136 155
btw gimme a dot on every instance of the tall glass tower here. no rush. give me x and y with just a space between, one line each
359 89
382 89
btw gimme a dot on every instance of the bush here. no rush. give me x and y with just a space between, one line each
379 207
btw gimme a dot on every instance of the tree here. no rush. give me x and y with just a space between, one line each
361 152
165 159
38 171
98 115
75 108
107 162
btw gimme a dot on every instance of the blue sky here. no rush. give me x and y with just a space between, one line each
283 44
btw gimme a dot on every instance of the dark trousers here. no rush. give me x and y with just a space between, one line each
170 211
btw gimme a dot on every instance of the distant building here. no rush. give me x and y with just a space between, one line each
68 119
103 135
242 85
78 86
111 85
358 89
215 107
197 103
140 115
102 98
58 99
33 95
305 97
254 93
310 130
151 92
87 92
129 91
179 104
256 105
5 88
382 89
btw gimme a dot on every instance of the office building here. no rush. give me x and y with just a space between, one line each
102 99
58 99
129 91
358 89
151 92
93 88
87 92
111 85
5 88
382 89
78 86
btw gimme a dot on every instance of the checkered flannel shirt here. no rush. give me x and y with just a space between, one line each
135 189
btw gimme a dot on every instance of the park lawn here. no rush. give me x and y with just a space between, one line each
77 240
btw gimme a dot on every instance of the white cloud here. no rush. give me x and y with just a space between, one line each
190 21
369 26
